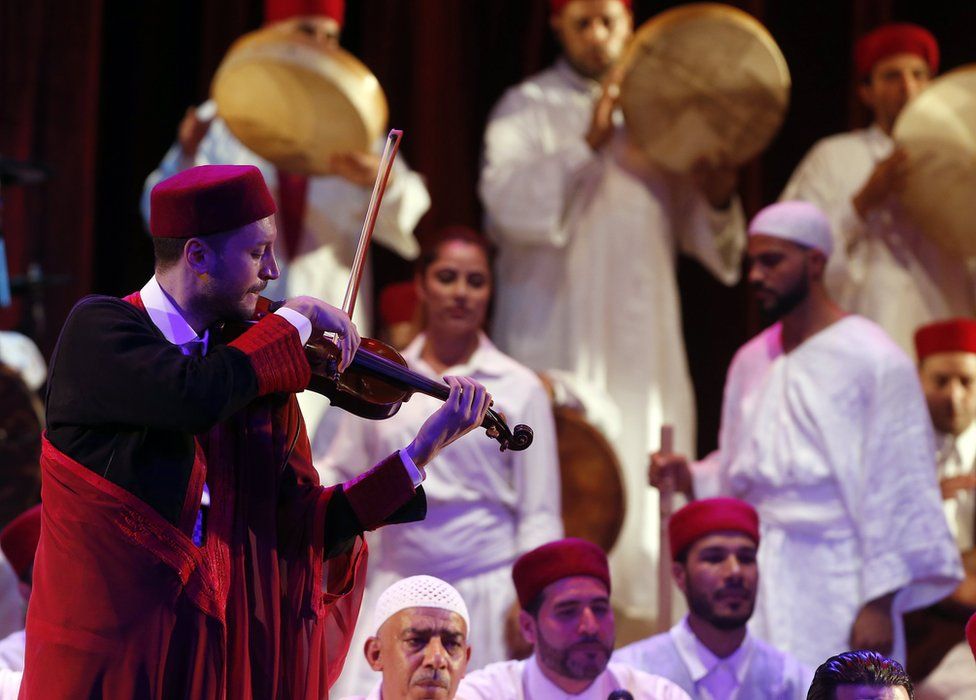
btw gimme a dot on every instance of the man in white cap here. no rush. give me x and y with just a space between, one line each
420 644
826 433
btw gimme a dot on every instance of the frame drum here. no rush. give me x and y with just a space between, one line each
295 102
703 81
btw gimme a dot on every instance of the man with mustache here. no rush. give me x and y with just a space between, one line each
710 653
825 432
564 590
186 547
420 641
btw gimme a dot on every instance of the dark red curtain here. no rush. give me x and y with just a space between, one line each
50 54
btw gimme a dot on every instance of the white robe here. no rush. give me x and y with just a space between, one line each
334 213
757 669
484 507
586 281
884 268
832 444
524 680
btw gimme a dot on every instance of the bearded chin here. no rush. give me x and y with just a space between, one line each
788 301
703 608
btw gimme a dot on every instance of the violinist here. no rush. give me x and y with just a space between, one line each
187 548
485 506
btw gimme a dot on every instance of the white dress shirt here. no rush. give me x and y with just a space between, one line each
714 678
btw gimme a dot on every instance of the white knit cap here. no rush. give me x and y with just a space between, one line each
419 592
799 222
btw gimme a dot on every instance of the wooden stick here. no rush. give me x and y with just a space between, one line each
666 506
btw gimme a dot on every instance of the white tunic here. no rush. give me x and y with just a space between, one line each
586 280
12 649
484 507
957 457
754 670
883 268
334 213
832 444
524 680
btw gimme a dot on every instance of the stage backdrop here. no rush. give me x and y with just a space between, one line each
95 89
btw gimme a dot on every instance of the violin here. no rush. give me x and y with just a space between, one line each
376 382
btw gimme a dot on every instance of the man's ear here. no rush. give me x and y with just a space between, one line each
199 256
372 651
527 626
818 263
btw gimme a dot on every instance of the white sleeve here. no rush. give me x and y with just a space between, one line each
524 186
814 181
716 238
536 473
217 146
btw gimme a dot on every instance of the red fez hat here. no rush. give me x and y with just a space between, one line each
556 6
535 570
19 540
278 10
890 39
208 199
398 303
700 518
954 335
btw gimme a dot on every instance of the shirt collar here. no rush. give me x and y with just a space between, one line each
538 687
166 317
700 661
486 360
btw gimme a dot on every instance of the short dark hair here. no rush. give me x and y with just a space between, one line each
858 668
431 245
167 251
535 605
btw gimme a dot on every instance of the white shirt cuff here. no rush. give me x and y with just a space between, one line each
416 476
300 322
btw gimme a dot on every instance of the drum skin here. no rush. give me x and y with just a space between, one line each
703 81
592 487
295 102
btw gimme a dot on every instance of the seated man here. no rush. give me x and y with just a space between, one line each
710 653
420 643
563 588
860 675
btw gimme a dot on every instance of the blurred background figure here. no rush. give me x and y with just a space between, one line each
588 234
485 507
825 432
884 266
939 659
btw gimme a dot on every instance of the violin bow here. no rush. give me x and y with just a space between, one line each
379 187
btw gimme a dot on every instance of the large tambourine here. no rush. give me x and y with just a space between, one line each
937 130
703 81
295 102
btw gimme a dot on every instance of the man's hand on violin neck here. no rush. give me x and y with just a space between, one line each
326 318
462 412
